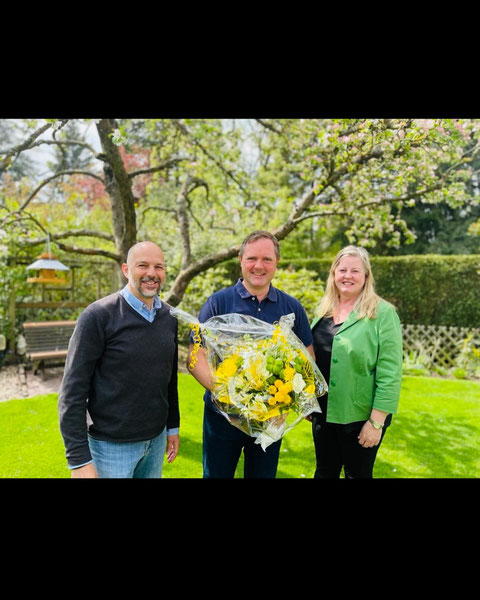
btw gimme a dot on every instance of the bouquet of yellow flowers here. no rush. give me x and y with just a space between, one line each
264 379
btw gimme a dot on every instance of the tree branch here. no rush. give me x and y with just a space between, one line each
75 249
77 233
176 291
269 126
142 215
186 132
165 165
68 143
381 201
89 251
296 216
54 176
44 183
23 146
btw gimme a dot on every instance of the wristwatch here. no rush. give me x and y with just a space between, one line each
375 424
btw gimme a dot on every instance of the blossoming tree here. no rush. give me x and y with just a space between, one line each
199 185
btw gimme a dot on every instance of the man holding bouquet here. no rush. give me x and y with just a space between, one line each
253 295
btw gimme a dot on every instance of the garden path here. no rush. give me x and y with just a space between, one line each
18 382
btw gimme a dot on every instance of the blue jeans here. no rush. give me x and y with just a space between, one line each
223 444
129 460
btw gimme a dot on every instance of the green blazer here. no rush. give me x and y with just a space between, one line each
366 366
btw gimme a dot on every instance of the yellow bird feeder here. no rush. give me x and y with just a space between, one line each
47 265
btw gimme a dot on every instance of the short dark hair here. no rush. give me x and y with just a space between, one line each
258 235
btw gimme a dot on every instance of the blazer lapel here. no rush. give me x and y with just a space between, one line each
351 320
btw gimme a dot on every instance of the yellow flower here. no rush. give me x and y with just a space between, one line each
278 336
289 373
274 412
254 374
225 399
310 389
272 389
256 410
286 388
228 368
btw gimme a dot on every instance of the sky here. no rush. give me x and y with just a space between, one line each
44 153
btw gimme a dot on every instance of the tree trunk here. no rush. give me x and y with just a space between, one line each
183 224
119 188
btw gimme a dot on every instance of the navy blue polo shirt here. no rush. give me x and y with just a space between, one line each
237 299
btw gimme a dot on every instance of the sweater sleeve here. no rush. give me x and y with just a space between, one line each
173 418
85 348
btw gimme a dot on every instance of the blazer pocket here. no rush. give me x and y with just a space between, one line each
364 390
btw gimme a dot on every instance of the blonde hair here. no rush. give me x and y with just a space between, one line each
367 301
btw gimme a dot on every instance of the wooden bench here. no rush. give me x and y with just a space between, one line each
47 340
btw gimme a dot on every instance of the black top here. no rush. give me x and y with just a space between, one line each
123 370
323 334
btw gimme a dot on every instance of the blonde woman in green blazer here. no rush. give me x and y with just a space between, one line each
357 340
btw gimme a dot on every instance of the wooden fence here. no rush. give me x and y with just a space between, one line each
440 343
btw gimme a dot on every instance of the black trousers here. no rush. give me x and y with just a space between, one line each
337 446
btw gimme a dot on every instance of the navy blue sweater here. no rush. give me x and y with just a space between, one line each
123 370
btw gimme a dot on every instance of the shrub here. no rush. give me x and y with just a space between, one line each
425 289
303 284
468 359
459 373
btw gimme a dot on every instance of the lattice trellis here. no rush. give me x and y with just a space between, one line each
440 343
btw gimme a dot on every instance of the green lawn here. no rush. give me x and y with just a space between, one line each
436 434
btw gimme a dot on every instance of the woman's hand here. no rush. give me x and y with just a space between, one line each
369 436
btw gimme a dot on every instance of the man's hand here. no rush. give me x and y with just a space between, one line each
173 443
86 472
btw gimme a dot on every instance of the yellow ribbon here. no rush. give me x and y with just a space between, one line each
197 339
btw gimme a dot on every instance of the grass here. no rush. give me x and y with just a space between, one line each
30 441
436 434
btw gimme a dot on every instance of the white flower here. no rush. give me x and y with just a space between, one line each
252 410
298 383
118 137
272 432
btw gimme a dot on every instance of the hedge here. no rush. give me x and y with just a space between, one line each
428 289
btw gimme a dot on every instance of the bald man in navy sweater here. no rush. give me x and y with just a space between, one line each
118 402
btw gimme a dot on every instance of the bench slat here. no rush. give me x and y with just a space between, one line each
48 339
42 355
47 324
